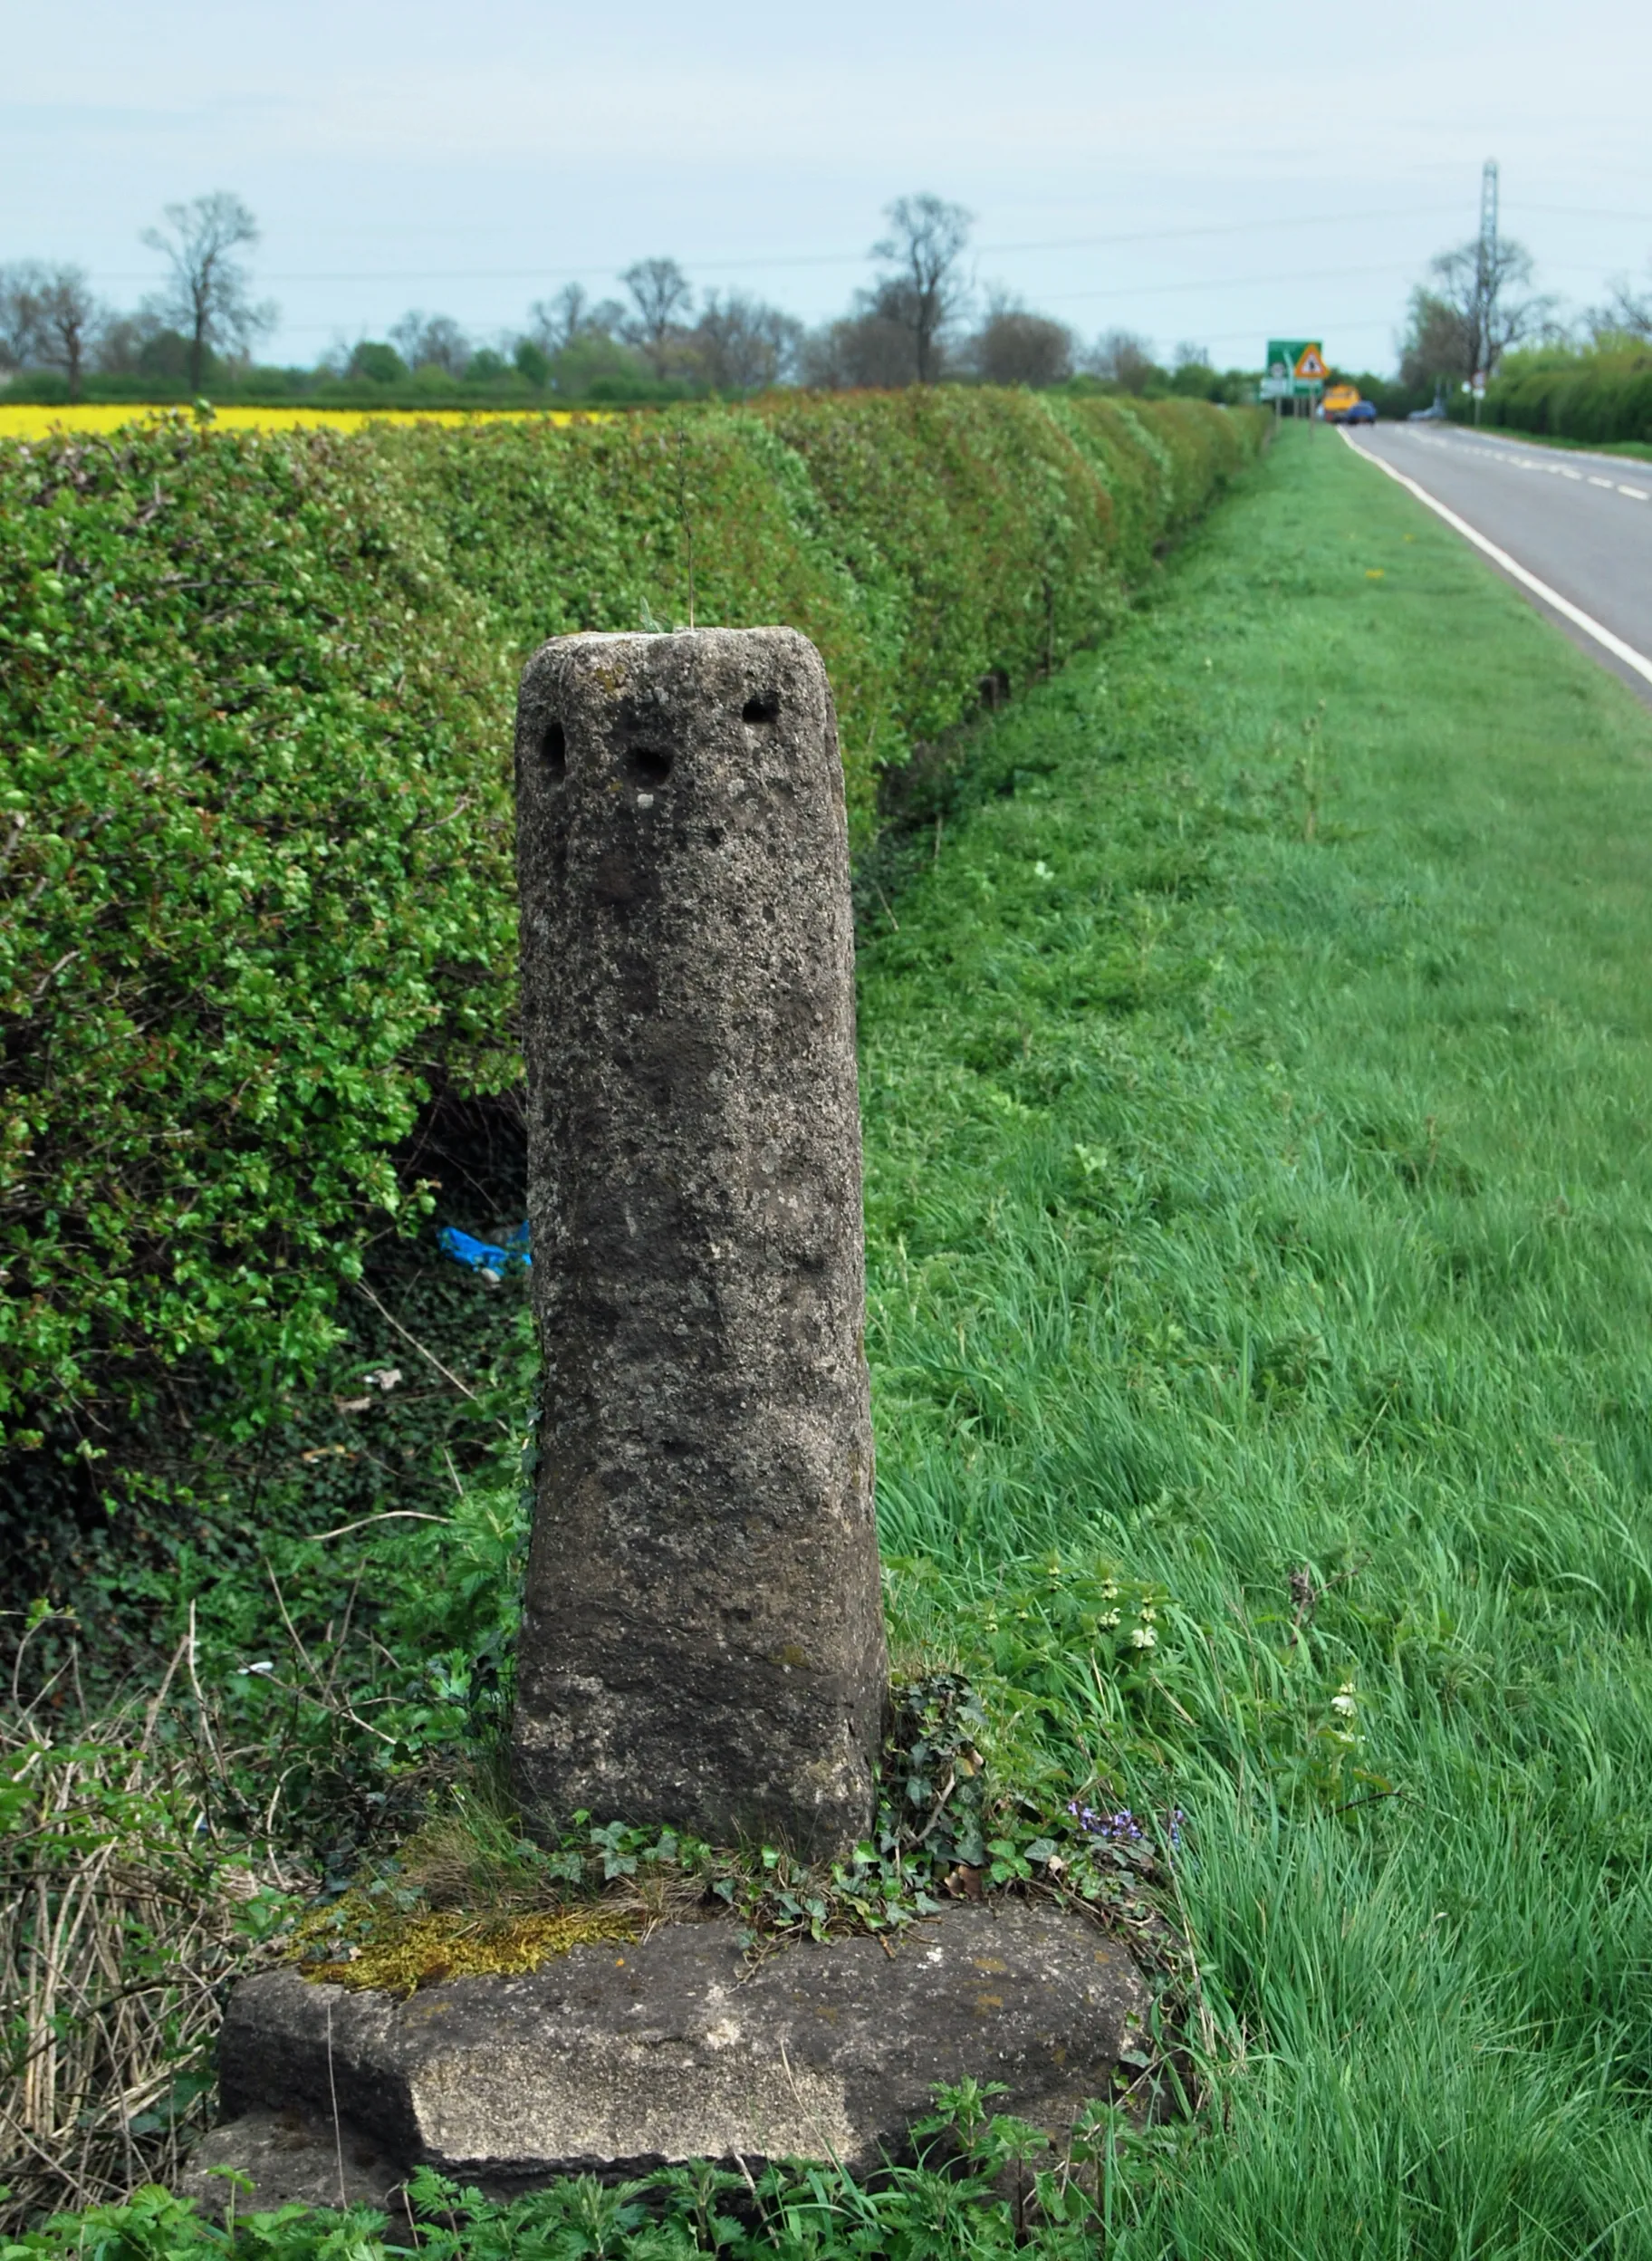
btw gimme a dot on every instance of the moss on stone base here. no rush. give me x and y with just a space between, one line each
357 1942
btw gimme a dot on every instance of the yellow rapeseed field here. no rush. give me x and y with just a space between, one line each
24 420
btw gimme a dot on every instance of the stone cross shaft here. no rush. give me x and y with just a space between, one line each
702 1640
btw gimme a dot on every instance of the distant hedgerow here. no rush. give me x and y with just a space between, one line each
1602 393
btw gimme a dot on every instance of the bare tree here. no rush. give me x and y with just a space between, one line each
1625 314
927 290
1124 360
19 314
742 345
121 340
69 318
431 342
49 318
866 349
555 323
206 292
663 299
1013 347
1438 347
1480 284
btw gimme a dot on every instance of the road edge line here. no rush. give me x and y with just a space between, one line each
1602 635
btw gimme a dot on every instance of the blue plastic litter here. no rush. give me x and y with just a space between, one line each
486 1256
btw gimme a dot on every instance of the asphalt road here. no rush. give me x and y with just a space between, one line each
1581 524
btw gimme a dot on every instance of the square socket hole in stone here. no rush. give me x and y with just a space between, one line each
649 766
553 750
763 708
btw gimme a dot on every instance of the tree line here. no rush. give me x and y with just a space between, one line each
1477 306
921 320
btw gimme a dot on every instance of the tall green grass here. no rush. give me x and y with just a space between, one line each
1257 1090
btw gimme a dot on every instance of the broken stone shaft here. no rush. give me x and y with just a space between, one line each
703 1637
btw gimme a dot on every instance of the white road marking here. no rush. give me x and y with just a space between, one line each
1603 636
1533 463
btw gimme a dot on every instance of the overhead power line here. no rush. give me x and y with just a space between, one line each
759 260
1577 212
1233 283
1288 280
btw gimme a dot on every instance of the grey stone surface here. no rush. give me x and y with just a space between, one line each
617 2058
291 2159
702 1640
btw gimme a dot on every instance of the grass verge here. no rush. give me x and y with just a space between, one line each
1258 1196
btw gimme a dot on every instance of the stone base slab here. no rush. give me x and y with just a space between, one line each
616 2059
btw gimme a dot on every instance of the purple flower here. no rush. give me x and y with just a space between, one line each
1119 1829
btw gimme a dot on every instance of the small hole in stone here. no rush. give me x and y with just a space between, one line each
553 750
764 707
649 764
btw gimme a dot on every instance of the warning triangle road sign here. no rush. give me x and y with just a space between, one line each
1312 365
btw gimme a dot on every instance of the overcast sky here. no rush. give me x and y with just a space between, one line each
1211 172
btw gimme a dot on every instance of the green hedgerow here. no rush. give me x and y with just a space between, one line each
255 813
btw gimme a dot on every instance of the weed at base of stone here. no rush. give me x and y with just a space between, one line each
470 1893
983 2183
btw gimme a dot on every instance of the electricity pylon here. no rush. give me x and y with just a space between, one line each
1486 278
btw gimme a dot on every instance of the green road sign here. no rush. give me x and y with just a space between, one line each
1294 369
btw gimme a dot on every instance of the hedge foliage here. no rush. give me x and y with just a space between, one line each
1590 396
255 817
